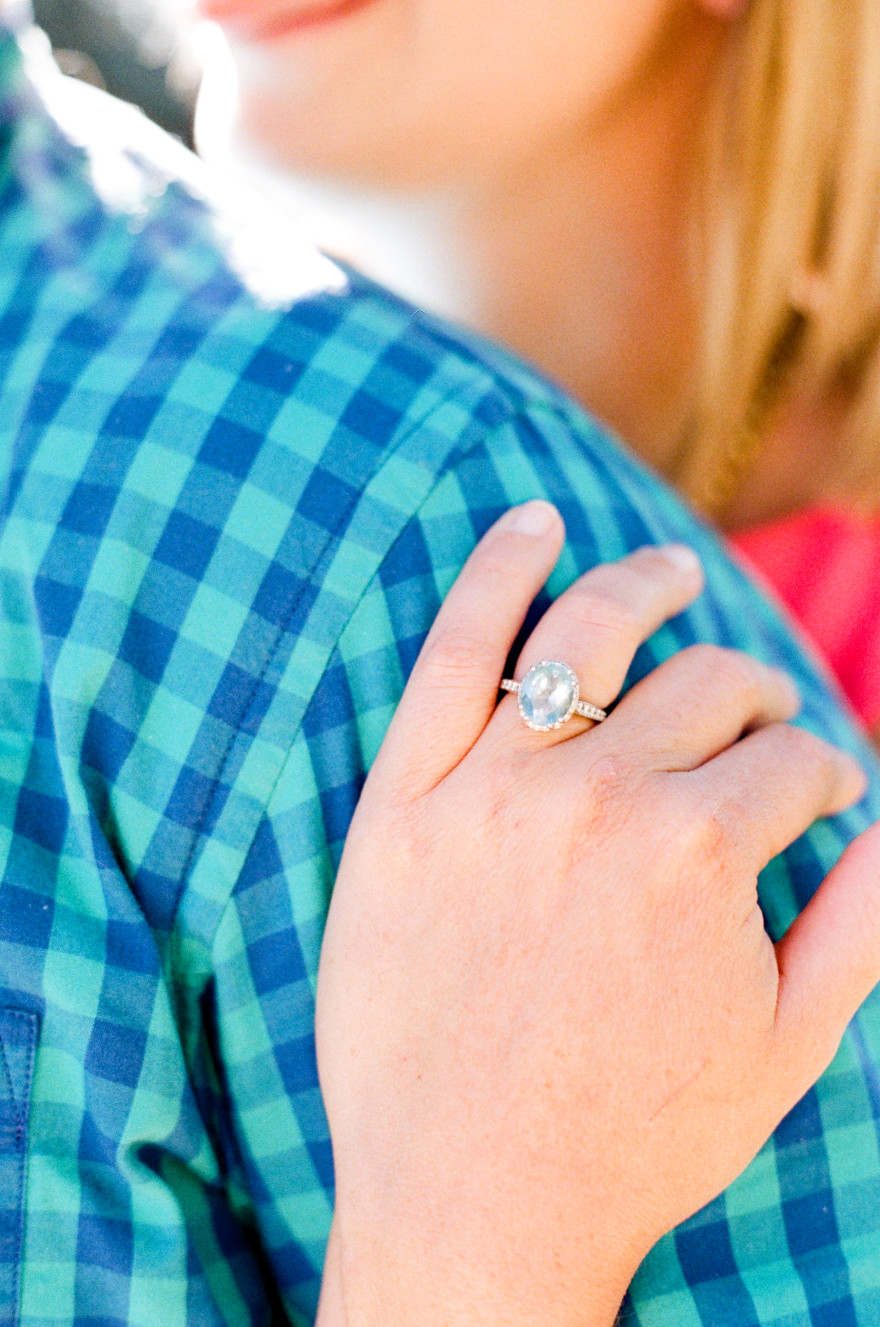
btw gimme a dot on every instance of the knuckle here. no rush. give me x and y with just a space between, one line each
804 748
451 656
611 790
702 834
495 560
727 671
603 610
700 661
503 776
815 761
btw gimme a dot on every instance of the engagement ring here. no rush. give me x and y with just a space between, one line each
549 695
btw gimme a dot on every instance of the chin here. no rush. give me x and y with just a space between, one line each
323 108
308 142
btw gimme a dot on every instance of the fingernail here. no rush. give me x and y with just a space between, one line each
535 518
682 557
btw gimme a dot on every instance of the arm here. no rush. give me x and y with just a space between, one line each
546 989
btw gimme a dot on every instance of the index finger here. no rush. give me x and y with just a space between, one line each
453 689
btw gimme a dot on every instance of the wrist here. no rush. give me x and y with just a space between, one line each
378 1273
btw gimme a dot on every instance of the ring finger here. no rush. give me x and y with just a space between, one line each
595 628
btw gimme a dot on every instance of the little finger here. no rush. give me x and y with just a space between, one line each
769 788
699 703
829 962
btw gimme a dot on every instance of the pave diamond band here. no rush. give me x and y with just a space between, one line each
549 695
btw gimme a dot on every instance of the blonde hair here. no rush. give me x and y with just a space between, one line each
791 217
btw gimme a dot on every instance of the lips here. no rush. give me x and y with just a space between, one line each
263 20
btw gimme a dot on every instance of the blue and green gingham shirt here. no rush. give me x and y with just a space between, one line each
237 483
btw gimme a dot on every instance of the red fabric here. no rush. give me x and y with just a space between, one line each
824 563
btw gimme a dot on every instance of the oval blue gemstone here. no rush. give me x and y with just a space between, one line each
548 695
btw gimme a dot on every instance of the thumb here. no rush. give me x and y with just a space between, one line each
829 962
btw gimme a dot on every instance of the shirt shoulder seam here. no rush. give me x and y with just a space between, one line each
512 409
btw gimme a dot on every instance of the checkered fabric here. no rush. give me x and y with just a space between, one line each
237 484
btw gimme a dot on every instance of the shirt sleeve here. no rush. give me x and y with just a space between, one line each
260 1017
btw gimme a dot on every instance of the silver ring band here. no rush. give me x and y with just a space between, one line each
549 695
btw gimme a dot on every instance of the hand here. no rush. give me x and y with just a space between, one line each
551 1024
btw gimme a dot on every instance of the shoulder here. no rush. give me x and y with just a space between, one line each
147 297
223 448
215 439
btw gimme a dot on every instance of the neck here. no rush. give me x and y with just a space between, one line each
580 259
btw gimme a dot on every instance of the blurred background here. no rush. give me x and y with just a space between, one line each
137 49
159 55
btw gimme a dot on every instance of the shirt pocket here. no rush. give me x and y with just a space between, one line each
19 1030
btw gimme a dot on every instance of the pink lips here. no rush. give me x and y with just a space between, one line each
264 20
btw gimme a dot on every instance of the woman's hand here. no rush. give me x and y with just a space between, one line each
551 1024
